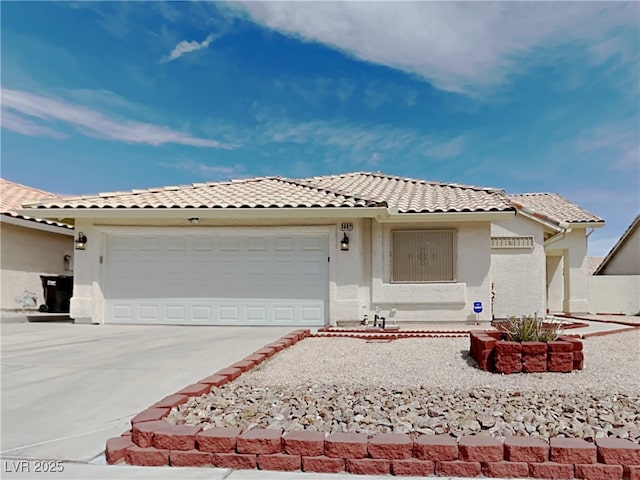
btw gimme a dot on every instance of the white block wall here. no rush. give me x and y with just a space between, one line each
614 294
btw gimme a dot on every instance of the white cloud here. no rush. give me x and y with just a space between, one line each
357 144
378 93
620 141
21 125
445 148
185 46
210 172
317 91
103 99
343 144
96 124
461 47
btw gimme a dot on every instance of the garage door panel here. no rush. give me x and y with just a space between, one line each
229 313
149 244
312 244
253 280
283 244
148 311
121 313
257 244
176 244
228 244
176 313
311 315
202 314
283 314
256 315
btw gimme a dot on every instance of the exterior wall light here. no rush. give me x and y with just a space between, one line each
81 241
194 220
344 243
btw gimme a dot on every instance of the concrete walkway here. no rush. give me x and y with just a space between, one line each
598 325
618 319
120 472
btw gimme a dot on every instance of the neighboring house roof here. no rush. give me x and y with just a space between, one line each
626 236
350 190
554 208
13 195
593 263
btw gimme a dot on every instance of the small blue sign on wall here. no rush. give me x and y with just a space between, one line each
477 307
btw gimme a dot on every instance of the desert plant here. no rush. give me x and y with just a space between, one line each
531 329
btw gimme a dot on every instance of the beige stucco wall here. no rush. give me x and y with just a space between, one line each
425 302
614 294
25 254
518 274
359 278
627 259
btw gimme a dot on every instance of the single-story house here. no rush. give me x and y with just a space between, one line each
29 247
614 287
322 250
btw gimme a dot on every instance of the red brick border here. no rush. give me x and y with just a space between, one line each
153 441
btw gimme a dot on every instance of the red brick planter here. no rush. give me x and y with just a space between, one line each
495 354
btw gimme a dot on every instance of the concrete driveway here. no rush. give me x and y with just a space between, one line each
67 388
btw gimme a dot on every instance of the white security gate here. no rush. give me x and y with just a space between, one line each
217 279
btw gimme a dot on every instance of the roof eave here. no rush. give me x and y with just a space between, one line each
36 224
553 226
439 217
586 224
244 212
382 214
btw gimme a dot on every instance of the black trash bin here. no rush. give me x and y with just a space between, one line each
58 290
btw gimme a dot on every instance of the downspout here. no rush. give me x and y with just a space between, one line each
592 230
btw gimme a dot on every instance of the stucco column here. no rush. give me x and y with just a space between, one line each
575 274
82 307
555 290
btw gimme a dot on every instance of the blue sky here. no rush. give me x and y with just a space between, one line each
528 97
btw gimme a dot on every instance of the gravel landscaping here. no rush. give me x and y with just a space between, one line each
427 386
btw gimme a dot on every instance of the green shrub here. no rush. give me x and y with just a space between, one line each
531 329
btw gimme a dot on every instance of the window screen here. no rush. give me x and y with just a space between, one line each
423 256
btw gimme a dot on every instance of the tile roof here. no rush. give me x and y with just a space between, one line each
415 196
554 207
267 192
593 263
350 190
13 195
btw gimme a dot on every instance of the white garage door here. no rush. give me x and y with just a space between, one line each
217 280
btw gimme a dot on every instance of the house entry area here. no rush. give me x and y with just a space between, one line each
217 279
555 264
